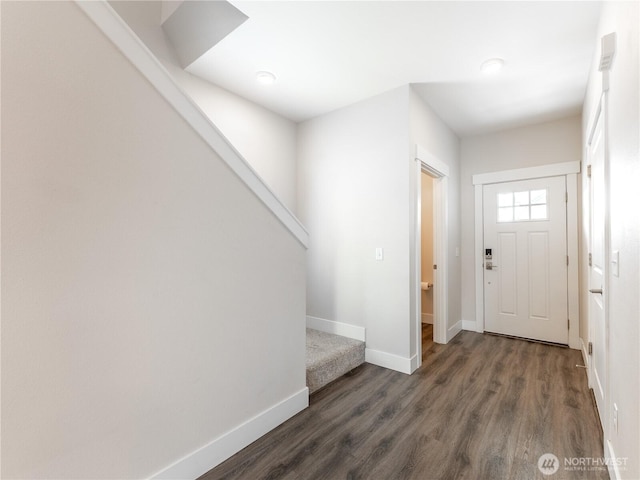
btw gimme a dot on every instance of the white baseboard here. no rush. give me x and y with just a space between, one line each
214 453
414 363
389 360
585 354
337 328
614 471
454 330
470 325
427 318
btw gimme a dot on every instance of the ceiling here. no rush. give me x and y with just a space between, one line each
327 55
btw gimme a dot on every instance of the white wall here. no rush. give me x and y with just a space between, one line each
353 197
356 181
129 250
541 144
432 134
168 7
265 139
623 118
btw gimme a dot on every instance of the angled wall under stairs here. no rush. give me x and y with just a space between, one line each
131 232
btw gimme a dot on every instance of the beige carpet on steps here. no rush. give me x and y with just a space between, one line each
329 357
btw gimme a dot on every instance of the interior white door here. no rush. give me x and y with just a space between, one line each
525 276
597 324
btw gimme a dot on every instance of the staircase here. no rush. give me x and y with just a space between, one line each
329 357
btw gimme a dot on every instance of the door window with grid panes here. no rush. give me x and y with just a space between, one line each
524 206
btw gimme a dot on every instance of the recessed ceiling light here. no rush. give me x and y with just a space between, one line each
492 65
265 78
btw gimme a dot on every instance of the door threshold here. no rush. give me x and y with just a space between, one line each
531 340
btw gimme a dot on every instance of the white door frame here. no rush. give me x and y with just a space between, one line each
426 162
570 170
605 417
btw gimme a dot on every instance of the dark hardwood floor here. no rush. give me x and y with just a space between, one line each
427 340
480 407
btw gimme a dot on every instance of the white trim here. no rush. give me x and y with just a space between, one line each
217 451
430 164
594 119
479 258
337 328
567 169
454 330
114 28
391 361
551 170
415 266
441 258
573 276
414 363
427 318
614 471
585 355
606 417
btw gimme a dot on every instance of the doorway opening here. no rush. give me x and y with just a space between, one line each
427 262
438 173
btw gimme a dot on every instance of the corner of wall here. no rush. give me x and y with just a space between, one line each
392 362
337 328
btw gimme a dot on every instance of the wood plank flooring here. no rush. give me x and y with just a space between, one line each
480 407
427 339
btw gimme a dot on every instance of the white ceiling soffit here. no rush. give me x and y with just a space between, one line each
195 27
327 55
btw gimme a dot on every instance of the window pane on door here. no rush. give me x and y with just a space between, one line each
522 206
505 199
538 197
521 198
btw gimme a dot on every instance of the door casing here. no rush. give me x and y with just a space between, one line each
426 162
604 406
524 296
571 171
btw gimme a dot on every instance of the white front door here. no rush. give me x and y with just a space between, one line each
525 247
597 325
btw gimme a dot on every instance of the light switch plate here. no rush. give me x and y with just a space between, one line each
379 253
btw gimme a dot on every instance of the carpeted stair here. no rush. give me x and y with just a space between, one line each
329 357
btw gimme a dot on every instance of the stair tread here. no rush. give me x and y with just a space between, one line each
330 356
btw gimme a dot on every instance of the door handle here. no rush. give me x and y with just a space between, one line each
596 290
490 266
